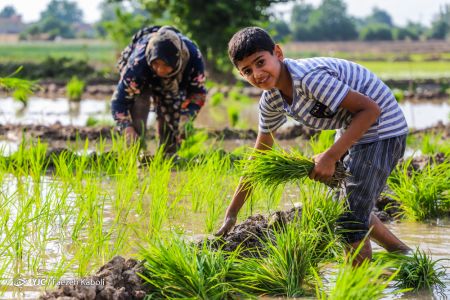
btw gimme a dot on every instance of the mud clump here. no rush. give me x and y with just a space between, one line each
253 232
116 280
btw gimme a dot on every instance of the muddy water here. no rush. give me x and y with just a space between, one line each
419 115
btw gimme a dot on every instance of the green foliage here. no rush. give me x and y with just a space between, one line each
178 270
398 94
379 16
279 30
51 67
57 20
322 141
434 143
212 26
216 99
328 22
233 111
75 88
275 167
440 27
416 270
21 88
366 282
8 11
422 194
376 32
121 29
193 145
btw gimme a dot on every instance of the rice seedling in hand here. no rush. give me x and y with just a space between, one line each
277 166
417 270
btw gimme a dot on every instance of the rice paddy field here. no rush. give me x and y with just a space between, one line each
69 207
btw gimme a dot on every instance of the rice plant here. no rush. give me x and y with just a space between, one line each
275 167
75 88
285 265
180 270
434 143
422 194
416 271
22 89
322 141
366 282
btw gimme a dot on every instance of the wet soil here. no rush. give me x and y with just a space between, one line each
116 280
58 132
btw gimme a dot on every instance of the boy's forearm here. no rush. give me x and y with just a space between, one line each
241 194
359 125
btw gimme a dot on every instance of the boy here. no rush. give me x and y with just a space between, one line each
327 93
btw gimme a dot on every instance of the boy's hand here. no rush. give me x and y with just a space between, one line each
228 223
324 167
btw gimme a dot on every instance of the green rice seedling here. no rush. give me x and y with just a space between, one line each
217 98
75 88
434 143
422 194
322 141
287 263
233 112
22 89
275 167
193 145
399 95
416 271
368 281
179 270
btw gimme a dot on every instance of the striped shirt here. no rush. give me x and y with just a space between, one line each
320 84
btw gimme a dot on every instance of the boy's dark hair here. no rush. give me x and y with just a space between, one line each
247 41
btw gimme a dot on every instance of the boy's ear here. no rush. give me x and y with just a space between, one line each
278 52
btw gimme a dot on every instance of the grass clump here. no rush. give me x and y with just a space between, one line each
416 271
422 194
75 88
21 89
366 282
276 166
178 269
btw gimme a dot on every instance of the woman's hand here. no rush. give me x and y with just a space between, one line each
227 225
131 135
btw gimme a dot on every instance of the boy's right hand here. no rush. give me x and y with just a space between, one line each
228 223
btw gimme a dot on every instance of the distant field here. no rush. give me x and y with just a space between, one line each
97 53
387 59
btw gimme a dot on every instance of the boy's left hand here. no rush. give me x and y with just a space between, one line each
324 167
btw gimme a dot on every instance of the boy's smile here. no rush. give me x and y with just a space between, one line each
262 69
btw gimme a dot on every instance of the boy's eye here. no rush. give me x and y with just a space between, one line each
247 72
259 63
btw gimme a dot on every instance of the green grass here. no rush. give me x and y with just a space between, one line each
408 70
93 51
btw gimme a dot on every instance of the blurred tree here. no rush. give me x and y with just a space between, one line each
380 16
299 21
57 20
331 22
376 32
63 10
279 30
8 11
440 27
412 31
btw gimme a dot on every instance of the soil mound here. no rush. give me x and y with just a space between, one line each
116 280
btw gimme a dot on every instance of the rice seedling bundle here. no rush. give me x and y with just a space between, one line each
276 166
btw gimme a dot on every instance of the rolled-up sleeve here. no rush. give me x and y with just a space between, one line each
270 118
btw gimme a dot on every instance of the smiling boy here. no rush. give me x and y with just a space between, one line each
327 93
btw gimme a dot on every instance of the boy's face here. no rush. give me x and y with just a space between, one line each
262 69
